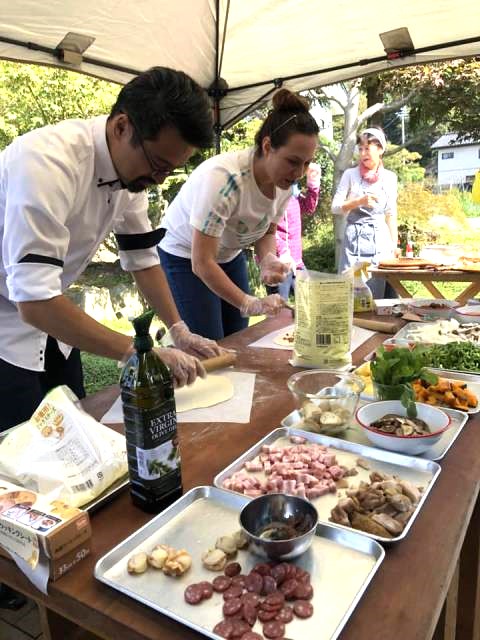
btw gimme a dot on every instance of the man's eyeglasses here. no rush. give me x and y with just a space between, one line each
158 173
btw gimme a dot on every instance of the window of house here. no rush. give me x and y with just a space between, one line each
447 155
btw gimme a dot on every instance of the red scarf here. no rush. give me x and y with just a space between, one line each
370 175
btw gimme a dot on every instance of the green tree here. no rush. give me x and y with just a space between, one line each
32 96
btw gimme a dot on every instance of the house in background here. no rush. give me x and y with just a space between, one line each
458 161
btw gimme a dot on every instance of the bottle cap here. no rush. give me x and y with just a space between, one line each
143 340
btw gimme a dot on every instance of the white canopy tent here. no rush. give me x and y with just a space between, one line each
241 50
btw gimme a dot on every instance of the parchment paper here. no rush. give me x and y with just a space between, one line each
237 409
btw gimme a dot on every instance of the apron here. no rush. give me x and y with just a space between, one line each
367 236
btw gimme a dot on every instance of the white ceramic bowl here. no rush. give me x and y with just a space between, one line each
437 420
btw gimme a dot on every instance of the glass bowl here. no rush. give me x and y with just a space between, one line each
326 399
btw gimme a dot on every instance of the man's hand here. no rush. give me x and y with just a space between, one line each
368 200
184 368
192 343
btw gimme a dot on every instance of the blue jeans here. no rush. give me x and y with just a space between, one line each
203 311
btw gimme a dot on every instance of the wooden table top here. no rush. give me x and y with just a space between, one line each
440 275
406 595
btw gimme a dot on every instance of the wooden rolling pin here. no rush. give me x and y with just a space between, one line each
219 362
383 326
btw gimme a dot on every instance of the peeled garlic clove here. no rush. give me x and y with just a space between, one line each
227 544
158 556
240 539
137 563
214 559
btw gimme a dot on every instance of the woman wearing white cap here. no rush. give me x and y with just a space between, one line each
367 195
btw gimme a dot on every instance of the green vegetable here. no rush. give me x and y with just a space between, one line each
400 366
464 356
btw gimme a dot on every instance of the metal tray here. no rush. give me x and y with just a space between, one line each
355 433
417 470
341 562
403 332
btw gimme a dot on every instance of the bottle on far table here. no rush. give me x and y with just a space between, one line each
150 424
409 248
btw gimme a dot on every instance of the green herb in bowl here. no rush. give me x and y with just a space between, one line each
393 372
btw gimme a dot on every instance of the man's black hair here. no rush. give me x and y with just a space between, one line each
162 97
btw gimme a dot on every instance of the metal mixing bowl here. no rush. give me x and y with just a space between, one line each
276 515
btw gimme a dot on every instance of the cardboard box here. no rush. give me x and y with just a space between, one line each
36 529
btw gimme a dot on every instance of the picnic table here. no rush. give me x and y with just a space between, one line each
427 277
424 581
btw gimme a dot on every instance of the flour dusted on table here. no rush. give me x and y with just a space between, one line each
62 452
323 319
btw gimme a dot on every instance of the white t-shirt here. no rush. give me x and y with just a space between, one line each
222 199
59 198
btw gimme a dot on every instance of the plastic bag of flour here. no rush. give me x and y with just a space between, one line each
323 320
62 452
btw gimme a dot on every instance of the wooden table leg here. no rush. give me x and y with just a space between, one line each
470 292
56 627
398 286
446 626
429 286
468 618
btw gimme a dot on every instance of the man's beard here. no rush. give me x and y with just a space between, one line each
138 184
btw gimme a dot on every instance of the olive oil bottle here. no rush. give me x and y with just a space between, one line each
150 424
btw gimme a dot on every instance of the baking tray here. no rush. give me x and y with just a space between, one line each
417 470
356 434
341 563
403 332
109 494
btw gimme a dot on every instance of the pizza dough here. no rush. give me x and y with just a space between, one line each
204 392
285 339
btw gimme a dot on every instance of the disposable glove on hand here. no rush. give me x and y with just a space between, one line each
273 270
269 306
184 368
192 343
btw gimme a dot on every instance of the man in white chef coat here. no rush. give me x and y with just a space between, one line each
63 188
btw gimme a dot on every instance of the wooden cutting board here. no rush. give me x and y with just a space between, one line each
406 263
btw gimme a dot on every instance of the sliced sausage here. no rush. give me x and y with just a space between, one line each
303 591
249 612
274 600
251 635
285 614
262 568
224 629
269 585
221 583
207 589
288 588
265 616
193 594
252 599
239 628
232 606
278 572
232 569
232 592
274 629
303 608
239 581
254 582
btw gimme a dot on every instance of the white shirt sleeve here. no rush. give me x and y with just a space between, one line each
133 230
39 197
216 197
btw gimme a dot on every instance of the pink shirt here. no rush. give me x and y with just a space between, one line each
289 227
